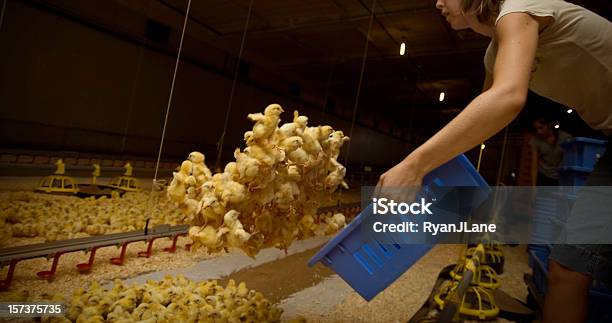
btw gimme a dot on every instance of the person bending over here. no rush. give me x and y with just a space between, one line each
546 153
562 52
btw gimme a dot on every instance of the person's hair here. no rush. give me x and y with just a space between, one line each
548 123
486 10
541 120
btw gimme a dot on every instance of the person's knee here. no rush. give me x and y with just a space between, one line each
559 275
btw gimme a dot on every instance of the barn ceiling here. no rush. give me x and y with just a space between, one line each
318 47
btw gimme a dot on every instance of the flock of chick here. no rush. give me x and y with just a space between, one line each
173 299
28 214
269 196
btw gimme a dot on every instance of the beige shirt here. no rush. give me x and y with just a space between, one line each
550 155
573 64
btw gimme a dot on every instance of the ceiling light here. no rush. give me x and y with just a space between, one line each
557 126
570 111
441 98
402 49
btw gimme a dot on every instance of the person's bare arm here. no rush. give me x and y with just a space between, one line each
488 113
488 81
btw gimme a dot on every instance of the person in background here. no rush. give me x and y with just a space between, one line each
560 51
546 153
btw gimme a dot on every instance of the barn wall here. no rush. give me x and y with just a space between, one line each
65 85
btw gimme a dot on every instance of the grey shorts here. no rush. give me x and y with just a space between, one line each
594 208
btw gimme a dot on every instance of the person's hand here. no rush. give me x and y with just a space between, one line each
400 183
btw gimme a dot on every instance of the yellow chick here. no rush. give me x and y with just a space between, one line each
336 178
334 143
207 190
325 132
118 315
274 314
307 225
262 196
285 194
267 154
320 133
204 289
293 173
15 296
200 172
295 128
264 221
190 208
311 143
90 314
236 236
155 295
90 319
211 210
291 144
232 169
218 182
254 244
299 156
248 137
246 166
60 167
140 311
266 123
233 192
335 223
207 236
242 290
155 311
178 187
127 300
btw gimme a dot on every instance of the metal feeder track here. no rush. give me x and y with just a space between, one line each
11 256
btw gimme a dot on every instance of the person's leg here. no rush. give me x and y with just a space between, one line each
566 298
572 267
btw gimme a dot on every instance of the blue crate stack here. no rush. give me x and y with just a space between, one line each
368 264
580 156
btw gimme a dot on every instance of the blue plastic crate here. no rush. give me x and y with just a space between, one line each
543 229
541 251
540 270
571 178
565 202
600 301
582 152
370 265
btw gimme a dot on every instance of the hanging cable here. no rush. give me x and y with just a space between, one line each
2 13
363 64
231 98
176 64
503 153
500 196
155 183
482 146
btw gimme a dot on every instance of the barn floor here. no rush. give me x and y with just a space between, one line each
317 294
